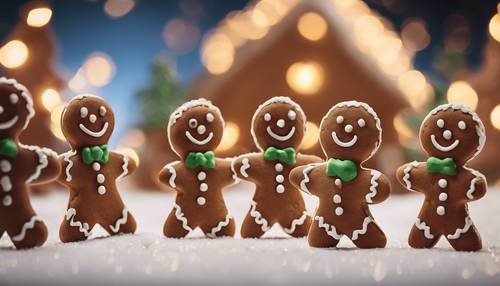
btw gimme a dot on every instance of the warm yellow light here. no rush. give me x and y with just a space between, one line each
99 69
412 83
305 77
13 54
494 27
56 130
312 26
461 92
134 138
311 136
405 133
78 82
218 54
39 17
495 117
131 153
118 8
56 113
367 30
230 137
50 99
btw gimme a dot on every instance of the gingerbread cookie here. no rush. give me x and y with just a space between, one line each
194 130
350 134
21 166
278 127
90 171
452 135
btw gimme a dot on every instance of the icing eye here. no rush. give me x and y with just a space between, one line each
210 117
92 118
14 98
84 112
1 109
292 115
440 123
102 110
267 117
361 122
340 119
462 125
193 123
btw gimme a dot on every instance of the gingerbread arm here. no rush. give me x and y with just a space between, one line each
125 164
380 188
228 178
408 175
477 187
245 166
302 178
43 162
168 175
303 159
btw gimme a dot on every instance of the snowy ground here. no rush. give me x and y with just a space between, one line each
148 257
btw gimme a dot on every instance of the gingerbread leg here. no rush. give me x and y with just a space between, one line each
175 227
322 237
421 237
75 227
225 227
28 231
297 227
373 237
122 224
469 241
251 229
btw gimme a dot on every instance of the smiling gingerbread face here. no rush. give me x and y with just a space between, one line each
350 131
196 126
280 123
16 108
87 121
453 131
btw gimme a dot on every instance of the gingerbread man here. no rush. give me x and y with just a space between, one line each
21 166
278 127
350 134
90 171
194 130
452 135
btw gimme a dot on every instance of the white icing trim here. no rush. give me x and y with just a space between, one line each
258 217
120 221
369 109
199 142
305 172
279 137
67 158
362 230
421 225
97 134
124 167
27 226
406 171
296 222
173 174
460 231
442 148
219 227
273 100
82 227
330 229
472 186
373 185
244 167
25 94
9 123
42 160
180 216
344 144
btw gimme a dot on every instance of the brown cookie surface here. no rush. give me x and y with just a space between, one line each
90 171
452 135
350 134
194 130
278 127
21 166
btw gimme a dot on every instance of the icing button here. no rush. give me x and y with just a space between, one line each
280 189
278 167
203 187
5 166
338 183
101 190
7 200
337 199
96 166
6 184
339 211
100 178
440 210
443 197
202 176
442 183
201 201
280 178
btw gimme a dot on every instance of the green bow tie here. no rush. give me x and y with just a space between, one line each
286 155
344 169
445 166
95 154
8 148
196 159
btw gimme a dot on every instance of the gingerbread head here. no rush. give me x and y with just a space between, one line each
16 108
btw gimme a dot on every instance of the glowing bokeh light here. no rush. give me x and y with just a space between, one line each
99 69
218 54
305 77
50 99
39 17
495 117
462 93
311 136
312 26
494 27
230 137
118 8
13 54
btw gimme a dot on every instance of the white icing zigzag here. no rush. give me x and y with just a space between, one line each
460 231
67 158
472 186
330 229
82 227
406 171
120 221
42 160
258 217
244 167
364 228
27 226
124 167
25 94
425 228
305 172
219 226
173 174
373 187
295 223
180 216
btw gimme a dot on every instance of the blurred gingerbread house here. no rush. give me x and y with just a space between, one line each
318 52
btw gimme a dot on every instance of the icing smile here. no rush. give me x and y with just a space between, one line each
92 133
279 137
347 144
444 148
199 142
8 124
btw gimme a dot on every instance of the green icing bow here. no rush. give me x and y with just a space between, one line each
286 155
344 169
8 148
199 159
95 154
444 166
